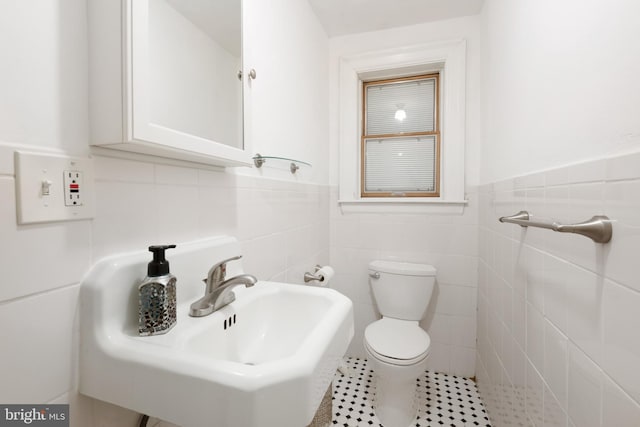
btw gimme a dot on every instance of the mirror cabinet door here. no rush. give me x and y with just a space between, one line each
180 64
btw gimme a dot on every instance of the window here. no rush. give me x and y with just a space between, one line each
447 59
400 143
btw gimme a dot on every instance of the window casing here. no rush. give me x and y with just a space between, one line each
446 57
400 138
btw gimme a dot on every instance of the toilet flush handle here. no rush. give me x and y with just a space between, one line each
375 275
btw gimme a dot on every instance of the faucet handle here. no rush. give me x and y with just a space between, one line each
223 264
218 272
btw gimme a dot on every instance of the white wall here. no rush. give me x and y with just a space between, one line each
449 242
560 83
43 79
557 313
282 224
288 48
44 76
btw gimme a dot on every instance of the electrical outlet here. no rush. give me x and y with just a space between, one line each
73 188
53 187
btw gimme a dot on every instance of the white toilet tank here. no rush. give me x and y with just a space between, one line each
402 290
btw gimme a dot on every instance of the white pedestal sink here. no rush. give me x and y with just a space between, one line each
264 360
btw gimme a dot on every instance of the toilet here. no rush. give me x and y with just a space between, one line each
397 347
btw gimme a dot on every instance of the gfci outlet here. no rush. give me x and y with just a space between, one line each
73 188
53 187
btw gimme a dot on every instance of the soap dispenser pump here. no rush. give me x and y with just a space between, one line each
157 295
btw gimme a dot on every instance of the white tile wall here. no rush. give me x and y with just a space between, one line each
448 242
283 227
34 254
571 331
37 350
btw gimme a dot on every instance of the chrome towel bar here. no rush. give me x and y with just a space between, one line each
598 228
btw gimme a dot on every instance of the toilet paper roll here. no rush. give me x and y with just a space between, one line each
326 273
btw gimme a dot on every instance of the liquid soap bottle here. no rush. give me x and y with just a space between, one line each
157 295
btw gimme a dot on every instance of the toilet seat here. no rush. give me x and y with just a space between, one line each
398 342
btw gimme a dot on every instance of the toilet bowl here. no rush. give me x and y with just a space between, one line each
397 347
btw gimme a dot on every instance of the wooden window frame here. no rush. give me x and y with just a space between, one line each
435 132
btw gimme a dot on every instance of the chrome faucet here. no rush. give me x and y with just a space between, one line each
218 292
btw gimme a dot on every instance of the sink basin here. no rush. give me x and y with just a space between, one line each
271 322
264 360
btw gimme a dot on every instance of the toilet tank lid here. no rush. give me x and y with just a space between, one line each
406 268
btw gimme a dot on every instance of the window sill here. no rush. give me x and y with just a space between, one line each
406 206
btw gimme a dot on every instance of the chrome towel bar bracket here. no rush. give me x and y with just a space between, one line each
598 228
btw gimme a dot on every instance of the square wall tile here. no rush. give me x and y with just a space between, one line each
217 211
535 261
591 171
585 389
175 175
554 415
37 342
439 358
119 170
534 396
344 232
217 178
504 258
621 343
456 300
535 337
618 408
463 331
39 257
456 269
556 362
584 310
264 257
463 361
176 213
440 328
555 177
623 167
555 291
123 219
622 206
496 332
519 325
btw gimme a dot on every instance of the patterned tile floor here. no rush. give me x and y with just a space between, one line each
445 400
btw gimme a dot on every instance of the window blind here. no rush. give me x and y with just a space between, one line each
416 98
399 165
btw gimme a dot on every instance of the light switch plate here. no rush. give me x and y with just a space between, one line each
41 187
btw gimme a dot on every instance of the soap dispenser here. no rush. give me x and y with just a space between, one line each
157 295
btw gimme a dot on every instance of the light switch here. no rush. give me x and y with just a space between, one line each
52 187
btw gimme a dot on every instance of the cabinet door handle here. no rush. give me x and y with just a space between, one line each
375 275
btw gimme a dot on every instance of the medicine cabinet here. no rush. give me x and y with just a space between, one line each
166 79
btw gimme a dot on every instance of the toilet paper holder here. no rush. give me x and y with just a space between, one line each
309 277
